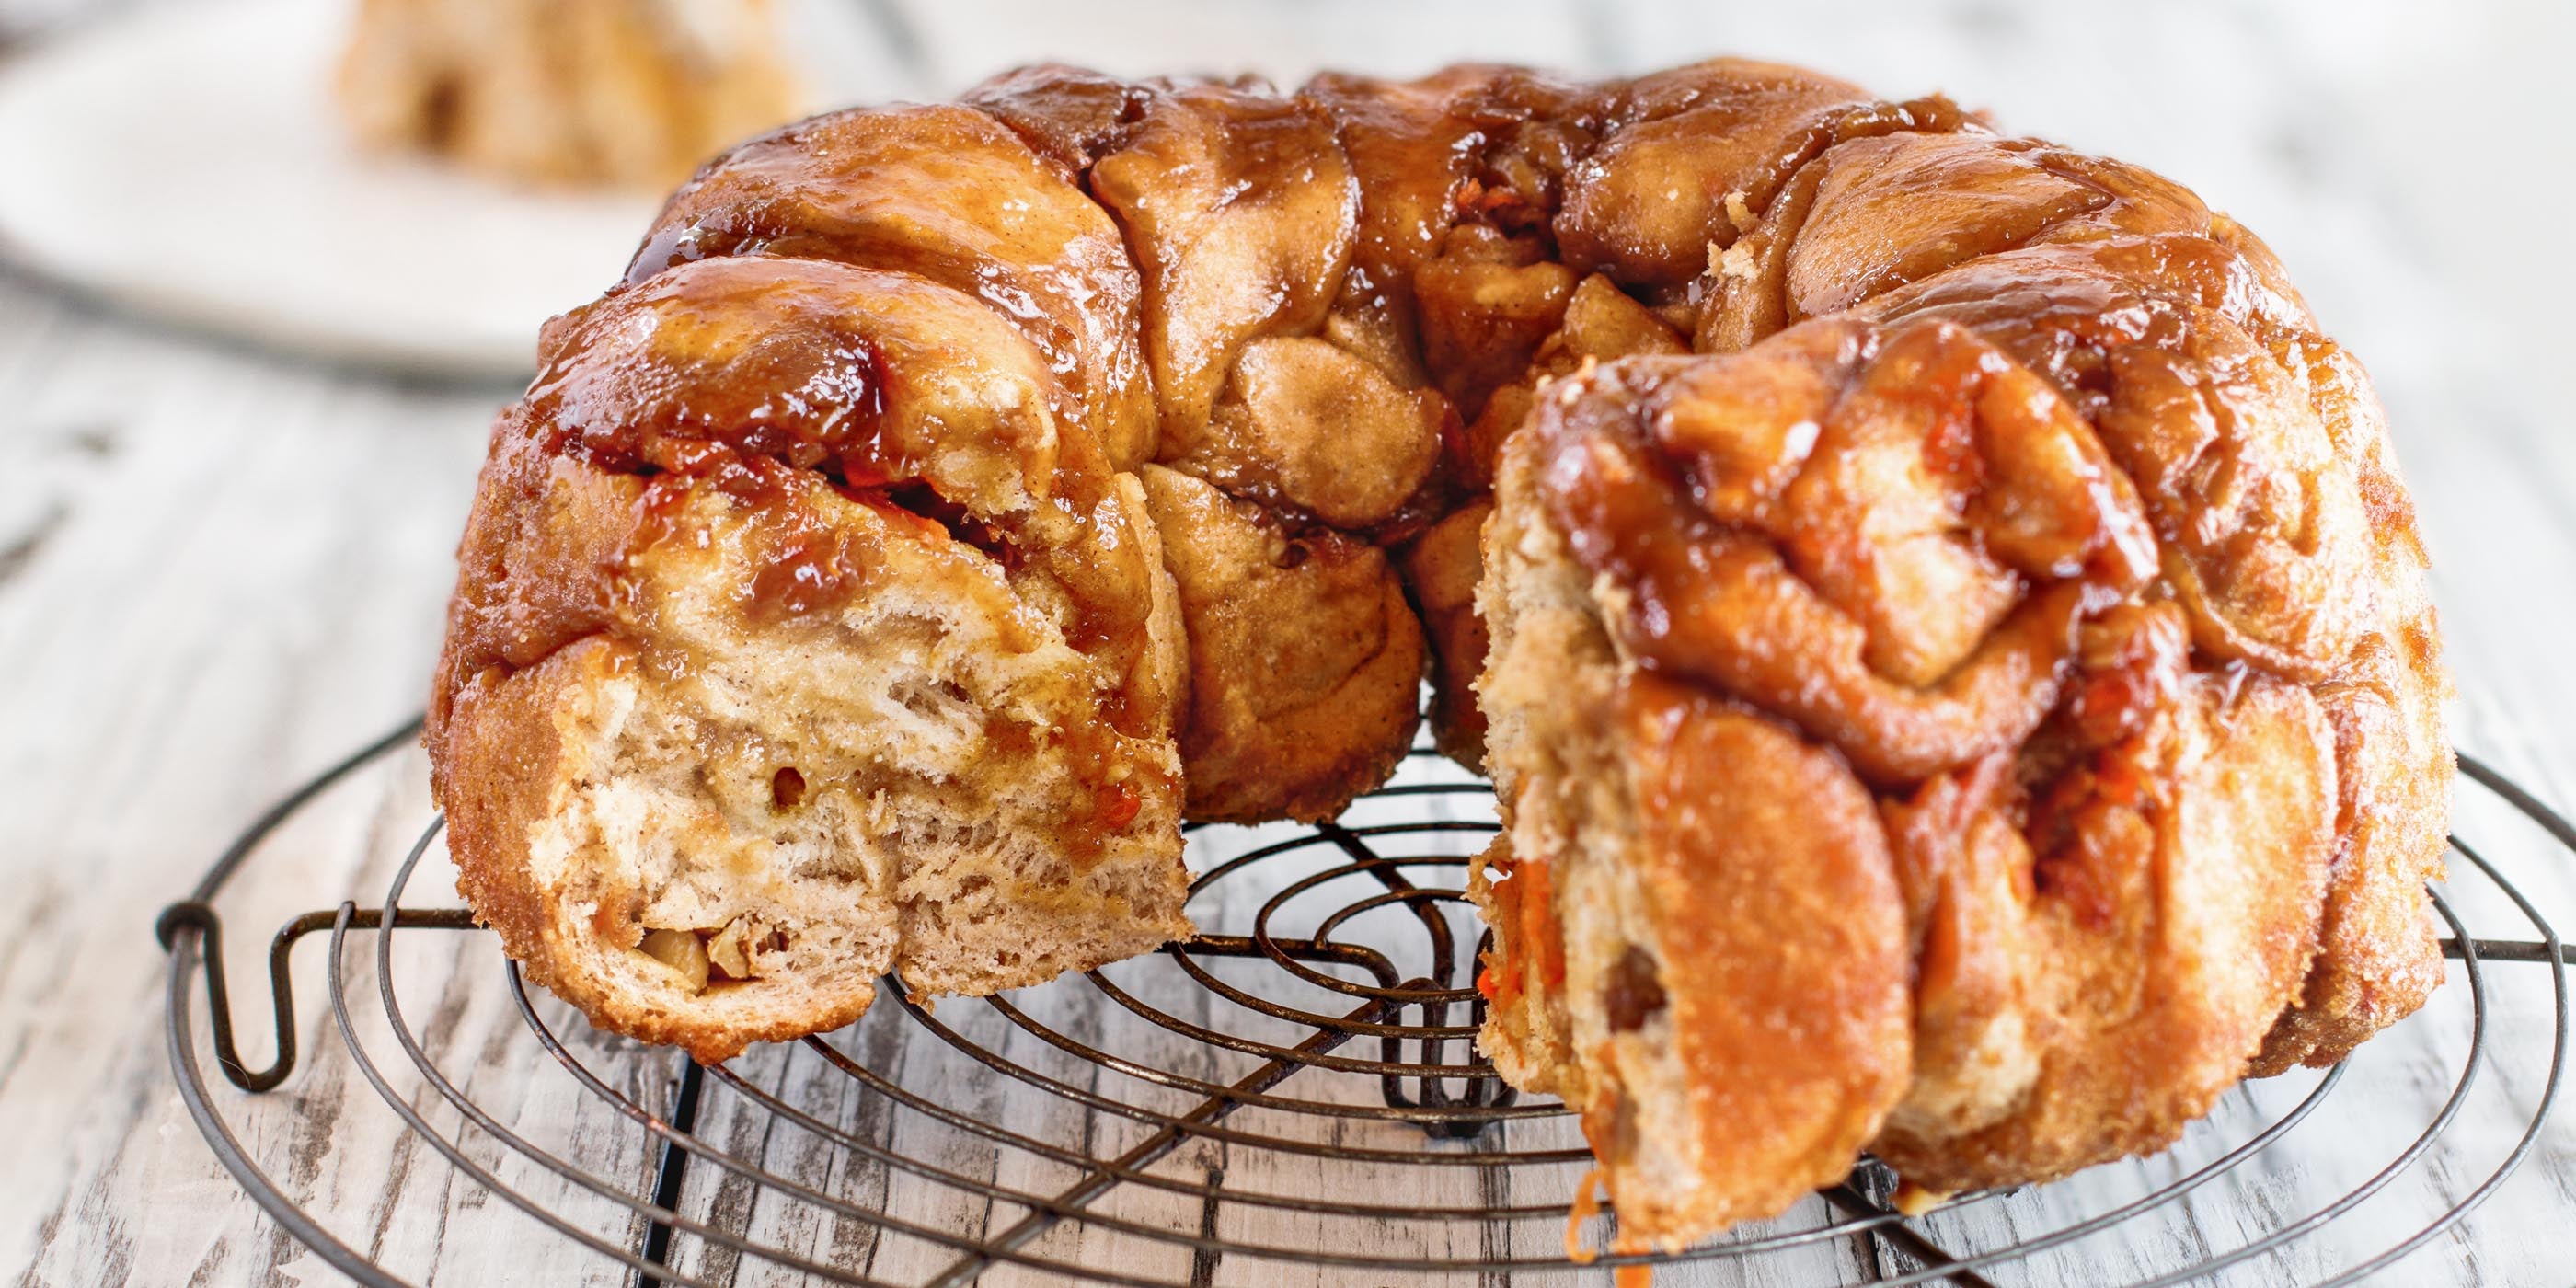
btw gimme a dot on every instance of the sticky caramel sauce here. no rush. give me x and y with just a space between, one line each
727 355
756 379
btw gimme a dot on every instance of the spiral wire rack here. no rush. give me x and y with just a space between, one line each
1321 1027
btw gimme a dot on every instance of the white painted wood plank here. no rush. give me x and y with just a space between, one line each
219 570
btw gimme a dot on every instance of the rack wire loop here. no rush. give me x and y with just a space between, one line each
1323 1027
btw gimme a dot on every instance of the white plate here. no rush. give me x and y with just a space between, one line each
187 161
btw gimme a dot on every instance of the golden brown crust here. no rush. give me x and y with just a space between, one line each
2080 544
2378 957
533 566
2093 978
1681 147
948 194
1980 533
747 450
1238 210
1778 925
1305 662
494 766
1825 551
1441 568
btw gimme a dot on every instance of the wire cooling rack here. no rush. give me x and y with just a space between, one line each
1295 1095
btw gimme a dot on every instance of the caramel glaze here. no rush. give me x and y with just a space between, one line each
735 373
784 388
949 195
2065 528
1964 408
1764 587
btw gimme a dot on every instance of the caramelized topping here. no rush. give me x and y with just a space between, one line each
745 354
2026 530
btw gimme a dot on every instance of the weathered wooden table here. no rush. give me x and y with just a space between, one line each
220 569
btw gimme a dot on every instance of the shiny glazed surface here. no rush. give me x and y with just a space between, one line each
2005 493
